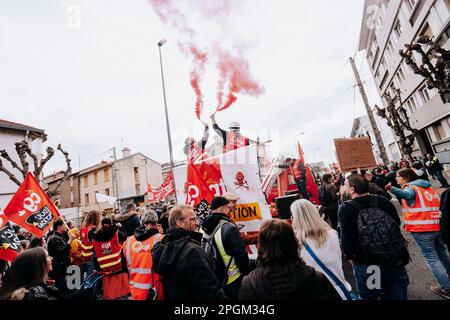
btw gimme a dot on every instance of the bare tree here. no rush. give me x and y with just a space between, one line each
23 150
397 118
435 66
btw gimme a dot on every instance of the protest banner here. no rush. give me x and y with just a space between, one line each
355 153
10 246
235 171
31 208
160 193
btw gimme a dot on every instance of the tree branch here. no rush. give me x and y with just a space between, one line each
67 173
14 164
11 176
38 170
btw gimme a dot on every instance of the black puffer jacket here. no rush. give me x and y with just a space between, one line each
184 267
445 217
232 243
43 291
295 281
129 221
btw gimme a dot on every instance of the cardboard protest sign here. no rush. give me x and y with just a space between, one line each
355 153
31 208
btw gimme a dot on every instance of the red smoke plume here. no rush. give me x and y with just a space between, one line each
234 74
234 71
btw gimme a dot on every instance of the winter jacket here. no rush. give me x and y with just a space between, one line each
232 242
445 217
59 250
185 268
434 165
377 190
408 193
102 235
294 281
45 292
332 192
129 221
348 218
142 233
390 178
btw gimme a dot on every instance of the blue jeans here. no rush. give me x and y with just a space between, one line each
436 255
441 178
393 283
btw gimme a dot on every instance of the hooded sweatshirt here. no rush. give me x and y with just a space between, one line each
408 193
185 268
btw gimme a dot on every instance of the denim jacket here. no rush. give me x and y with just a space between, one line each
408 193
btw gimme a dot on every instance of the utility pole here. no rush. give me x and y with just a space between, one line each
373 124
115 180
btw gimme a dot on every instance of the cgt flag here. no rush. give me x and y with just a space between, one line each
10 246
31 208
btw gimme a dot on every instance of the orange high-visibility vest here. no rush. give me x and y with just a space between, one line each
296 171
139 262
424 215
86 245
108 254
234 142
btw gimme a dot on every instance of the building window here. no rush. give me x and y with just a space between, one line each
86 198
424 94
72 198
138 189
106 174
136 174
398 28
377 52
400 75
411 104
411 4
95 177
71 181
107 191
86 181
386 75
439 131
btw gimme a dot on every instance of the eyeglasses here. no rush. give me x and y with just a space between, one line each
192 219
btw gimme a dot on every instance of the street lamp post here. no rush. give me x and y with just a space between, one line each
160 44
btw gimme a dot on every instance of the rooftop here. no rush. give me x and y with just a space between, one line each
17 126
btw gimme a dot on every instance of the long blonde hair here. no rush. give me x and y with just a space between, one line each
307 223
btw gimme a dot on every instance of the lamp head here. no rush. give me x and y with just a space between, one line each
161 42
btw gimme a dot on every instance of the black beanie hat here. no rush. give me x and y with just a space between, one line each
218 202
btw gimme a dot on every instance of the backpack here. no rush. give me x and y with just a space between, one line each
324 196
208 244
380 238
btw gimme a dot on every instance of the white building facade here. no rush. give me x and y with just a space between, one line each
10 133
386 27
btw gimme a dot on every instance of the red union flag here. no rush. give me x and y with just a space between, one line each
10 246
162 192
31 208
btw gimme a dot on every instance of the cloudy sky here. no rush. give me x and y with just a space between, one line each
87 71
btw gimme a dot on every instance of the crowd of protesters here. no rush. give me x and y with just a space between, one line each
163 252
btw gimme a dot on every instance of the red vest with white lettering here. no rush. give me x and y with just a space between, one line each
296 171
424 215
86 245
139 262
108 254
234 142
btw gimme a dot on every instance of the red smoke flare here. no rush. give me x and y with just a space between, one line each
234 71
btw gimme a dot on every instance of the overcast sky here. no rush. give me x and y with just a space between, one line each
94 83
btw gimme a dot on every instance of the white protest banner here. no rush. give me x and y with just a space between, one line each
239 174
